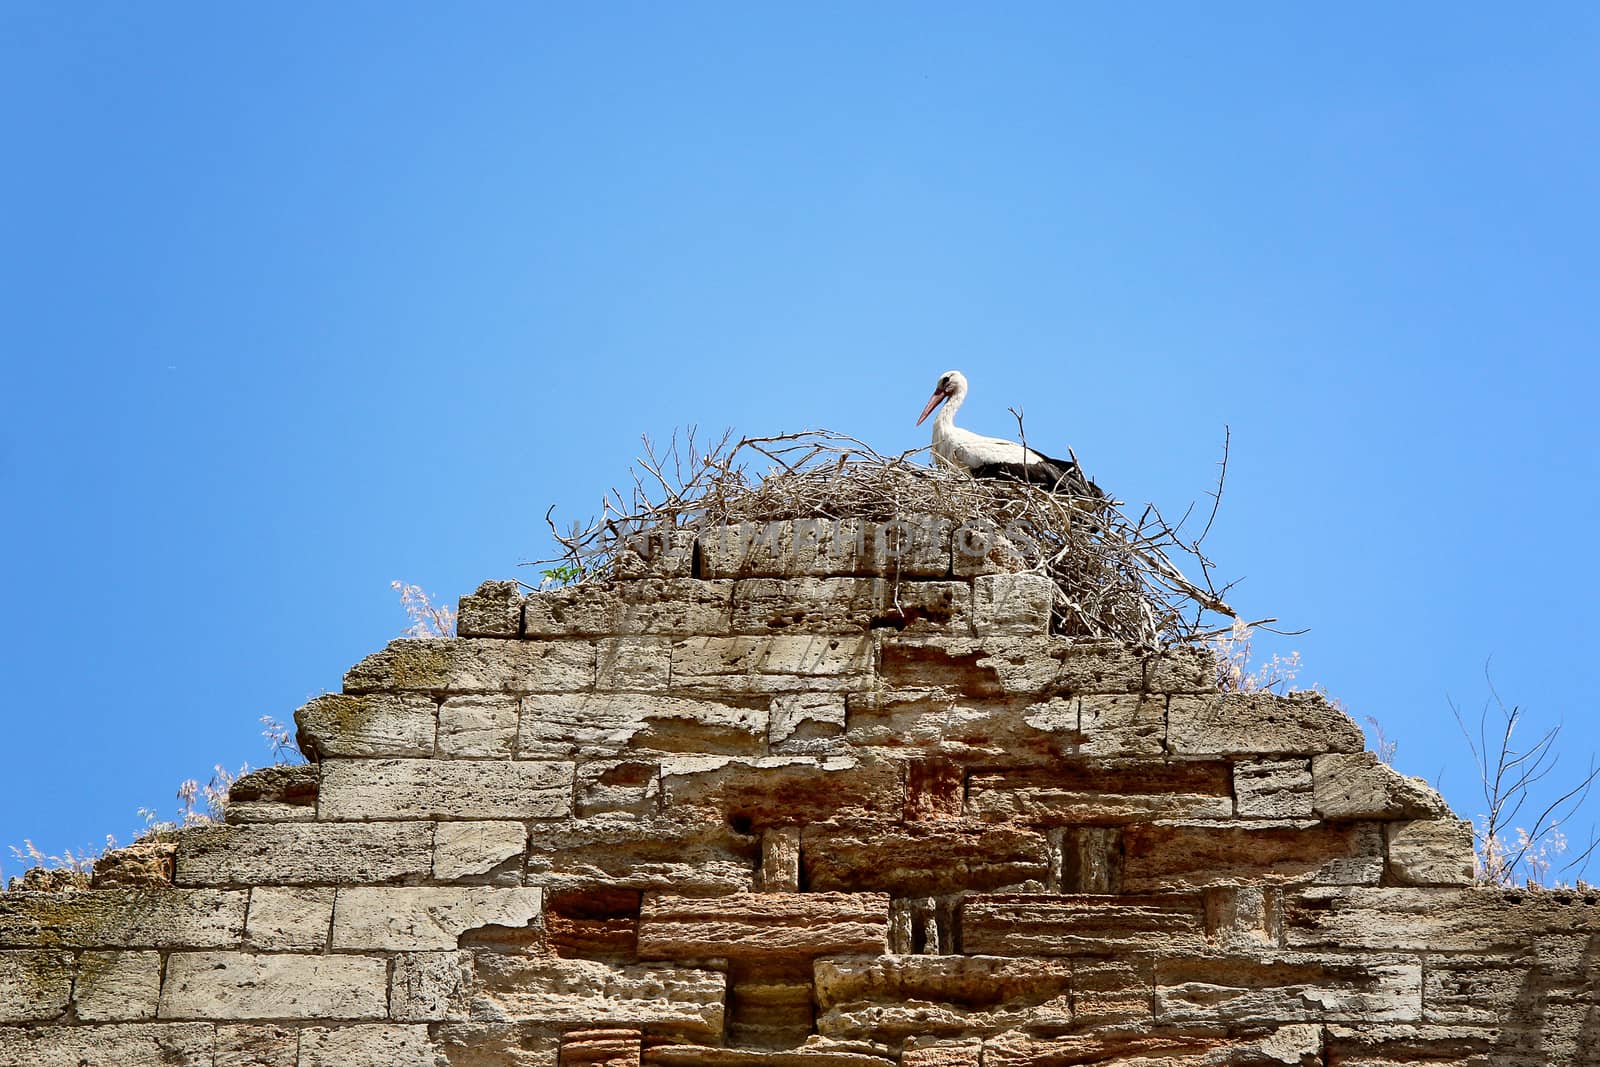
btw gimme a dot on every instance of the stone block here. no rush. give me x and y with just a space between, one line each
418 919
1259 724
1364 865
426 665
763 925
636 663
454 789
599 923
1244 916
601 1048
923 925
978 547
1565 953
251 811
285 783
1474 990
687 851
934 1052
935 790
1141 1049
1108 666
769 1005
1015 605
1430 852
980 669
1395 1044
381 724
143 865
807 723
1082 924
889 998
621 786
661 553
780 860
1298 1043
917 547
548 991
430 986
1122 1047
122 918
285 793
495 610
599 725
1086 859
496 1044
114 987
675 607
1354 785
1118 725
763 606
925 859
479 727
782 790
816 1052
1060 720
1095 792
1472 919
964 667
1179 854
35 985
912 546
238 985
133 1045
368 1045
1039 668
48 880
304 853
471 849
669 1000
1287 988
735 666
481 665
263 1045
1273 789
289 919
939 723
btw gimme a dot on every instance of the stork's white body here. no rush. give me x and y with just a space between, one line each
995 457
956 446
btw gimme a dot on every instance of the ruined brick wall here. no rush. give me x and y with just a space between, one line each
793 802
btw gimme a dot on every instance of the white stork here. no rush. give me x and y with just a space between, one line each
995 457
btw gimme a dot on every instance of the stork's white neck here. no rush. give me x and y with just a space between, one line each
946 418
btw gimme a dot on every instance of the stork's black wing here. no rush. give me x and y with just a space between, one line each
1058 475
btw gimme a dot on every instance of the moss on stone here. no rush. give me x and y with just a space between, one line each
65 919
121 918
405 664
93 967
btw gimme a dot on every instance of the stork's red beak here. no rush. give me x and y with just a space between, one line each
937 399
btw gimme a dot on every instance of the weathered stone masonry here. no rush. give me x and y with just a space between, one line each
798 801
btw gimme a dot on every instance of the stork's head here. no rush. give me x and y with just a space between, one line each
952 386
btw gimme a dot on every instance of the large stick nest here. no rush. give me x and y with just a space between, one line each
1114 576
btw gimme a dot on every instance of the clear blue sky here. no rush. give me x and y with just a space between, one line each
299 299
